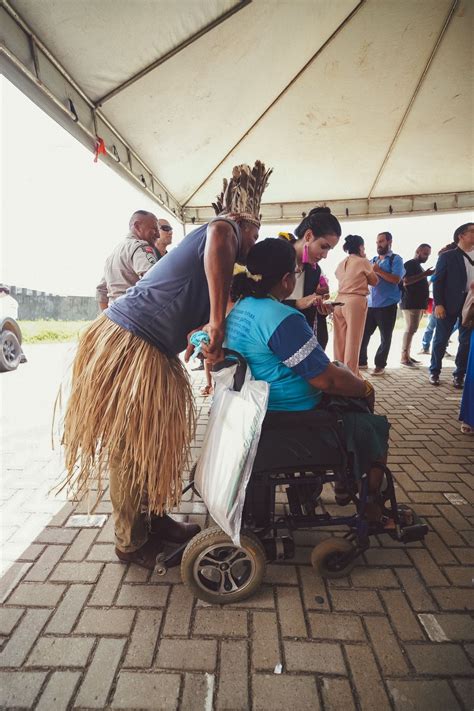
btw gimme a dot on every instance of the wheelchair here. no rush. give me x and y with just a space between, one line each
298 453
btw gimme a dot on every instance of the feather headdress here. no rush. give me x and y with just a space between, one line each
242 194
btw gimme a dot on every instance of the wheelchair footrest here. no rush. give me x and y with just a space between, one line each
417 532
279 548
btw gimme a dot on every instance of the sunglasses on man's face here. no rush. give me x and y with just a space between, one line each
166 228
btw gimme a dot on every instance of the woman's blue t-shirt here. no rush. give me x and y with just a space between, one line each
279 348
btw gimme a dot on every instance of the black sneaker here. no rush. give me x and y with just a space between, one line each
434 379
458 383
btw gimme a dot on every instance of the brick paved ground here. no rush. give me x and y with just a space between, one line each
28 466
79 630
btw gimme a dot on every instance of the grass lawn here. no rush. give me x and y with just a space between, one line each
51 331
62 331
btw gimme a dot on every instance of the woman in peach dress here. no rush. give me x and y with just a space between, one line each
354 275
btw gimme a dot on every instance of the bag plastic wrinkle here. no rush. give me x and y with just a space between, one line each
229 448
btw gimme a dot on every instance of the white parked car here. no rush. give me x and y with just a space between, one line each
11 354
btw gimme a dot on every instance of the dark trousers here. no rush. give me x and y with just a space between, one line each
322 331
384 319
443 331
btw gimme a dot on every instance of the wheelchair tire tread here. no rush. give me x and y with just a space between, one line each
327 548
213 536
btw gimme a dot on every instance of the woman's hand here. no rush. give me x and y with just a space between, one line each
440 312
324 307
306 301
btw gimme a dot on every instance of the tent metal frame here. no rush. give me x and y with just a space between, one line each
319 51
161 60
77 112
40 76
354 209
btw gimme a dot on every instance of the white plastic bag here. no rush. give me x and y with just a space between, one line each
229 448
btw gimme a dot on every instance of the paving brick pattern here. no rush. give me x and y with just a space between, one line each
80 630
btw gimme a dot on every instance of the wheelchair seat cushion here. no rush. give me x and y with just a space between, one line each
296 441
315 439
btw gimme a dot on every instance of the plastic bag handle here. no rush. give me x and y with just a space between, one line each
230 358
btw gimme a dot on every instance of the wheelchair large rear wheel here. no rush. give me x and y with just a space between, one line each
218 571
333 558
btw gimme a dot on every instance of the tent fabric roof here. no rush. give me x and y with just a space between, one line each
349 101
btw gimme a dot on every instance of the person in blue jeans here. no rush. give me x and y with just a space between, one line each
466 414
429 333
431 325
454 275
383 302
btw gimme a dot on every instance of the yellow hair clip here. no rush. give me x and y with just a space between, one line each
288 236
240 269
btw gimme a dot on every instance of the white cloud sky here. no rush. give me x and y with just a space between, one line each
62 214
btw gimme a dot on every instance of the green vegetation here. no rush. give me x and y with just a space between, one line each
51 331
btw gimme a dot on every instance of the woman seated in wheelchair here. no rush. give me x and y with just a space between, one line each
280 348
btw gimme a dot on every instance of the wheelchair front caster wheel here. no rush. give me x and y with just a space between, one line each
218 571
333 558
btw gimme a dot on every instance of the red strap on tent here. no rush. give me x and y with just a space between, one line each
99 148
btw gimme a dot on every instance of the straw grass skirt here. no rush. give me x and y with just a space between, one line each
128 401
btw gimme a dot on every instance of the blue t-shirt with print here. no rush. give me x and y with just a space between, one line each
279 348
384 293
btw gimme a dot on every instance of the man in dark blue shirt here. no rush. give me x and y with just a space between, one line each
383 302
453 277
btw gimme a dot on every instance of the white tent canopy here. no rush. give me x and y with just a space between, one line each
365 106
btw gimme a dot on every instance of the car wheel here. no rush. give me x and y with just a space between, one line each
10 352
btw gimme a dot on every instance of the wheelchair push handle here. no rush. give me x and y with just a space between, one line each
232 357
199 337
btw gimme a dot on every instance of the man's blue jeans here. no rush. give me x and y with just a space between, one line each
430 329
444 329
428 334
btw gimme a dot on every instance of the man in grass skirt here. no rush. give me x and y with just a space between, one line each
131 408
